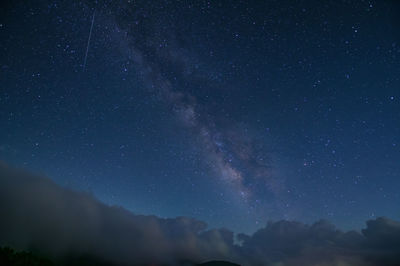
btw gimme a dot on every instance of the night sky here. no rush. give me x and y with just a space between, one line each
231 112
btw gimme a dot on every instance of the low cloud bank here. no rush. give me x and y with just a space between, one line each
37 214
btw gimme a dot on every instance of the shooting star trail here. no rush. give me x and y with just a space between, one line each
88 43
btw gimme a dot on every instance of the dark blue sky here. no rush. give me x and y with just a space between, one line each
232 112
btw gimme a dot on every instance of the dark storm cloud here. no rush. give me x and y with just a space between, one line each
38 214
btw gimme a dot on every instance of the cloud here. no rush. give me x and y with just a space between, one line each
38 214
294 243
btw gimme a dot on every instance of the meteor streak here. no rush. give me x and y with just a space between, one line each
88 43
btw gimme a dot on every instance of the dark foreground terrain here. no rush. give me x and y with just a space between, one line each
10 257
218 263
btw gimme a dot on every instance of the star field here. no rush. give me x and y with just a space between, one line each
234 113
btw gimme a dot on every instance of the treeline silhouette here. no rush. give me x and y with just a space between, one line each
10 257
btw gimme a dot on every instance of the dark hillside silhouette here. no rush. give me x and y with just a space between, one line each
218 263
10 257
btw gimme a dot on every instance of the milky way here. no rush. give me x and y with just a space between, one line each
229 151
